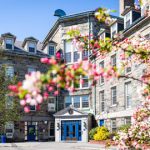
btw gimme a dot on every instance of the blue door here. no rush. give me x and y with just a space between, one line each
31 133
101 123
71 130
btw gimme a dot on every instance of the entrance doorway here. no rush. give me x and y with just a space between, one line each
71 130
31 133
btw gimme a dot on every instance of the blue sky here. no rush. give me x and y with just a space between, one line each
35 17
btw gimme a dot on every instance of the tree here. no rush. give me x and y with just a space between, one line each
8 105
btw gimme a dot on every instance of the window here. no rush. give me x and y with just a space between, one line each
114 95
128 19
68 101
85 82
68 53
147 36
102 36
51 50
9 43
31 69
85 55
113 60
85 101
102 101
128 92
9 102
128 120
52 129
76 100
113 125
76 55
102 77
33 108
51 105
128 69
113 30
31 47
10 71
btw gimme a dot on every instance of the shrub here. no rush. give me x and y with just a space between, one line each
124 128
101 134
92 133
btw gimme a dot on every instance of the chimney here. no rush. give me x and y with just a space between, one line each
124 3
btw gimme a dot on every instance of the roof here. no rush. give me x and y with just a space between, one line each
29 39
18 49
136 22
8 34
60 113
68 18
128 9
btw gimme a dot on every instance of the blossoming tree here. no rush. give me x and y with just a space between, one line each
37 86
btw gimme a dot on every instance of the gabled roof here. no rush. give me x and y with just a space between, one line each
29 39
60 113
128 9
8 34
71 18
50 42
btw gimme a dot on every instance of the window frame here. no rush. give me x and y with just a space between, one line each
51 45
127 95
113 124
112 95
112 60
128 19
114 28
51 129
102 65
126 118
10 74
84 101
102 101
30 44
10 44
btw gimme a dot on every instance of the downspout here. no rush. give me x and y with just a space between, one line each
94 103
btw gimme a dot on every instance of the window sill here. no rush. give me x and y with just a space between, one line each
115 105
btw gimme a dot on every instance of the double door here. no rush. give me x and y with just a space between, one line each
71 130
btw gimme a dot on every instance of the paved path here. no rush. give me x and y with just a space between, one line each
52 146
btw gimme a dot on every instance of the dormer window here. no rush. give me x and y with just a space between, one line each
32 47
9 43
51 50
128 19
114 29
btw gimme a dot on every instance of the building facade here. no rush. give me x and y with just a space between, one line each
69 116
116 99
21 58
111 102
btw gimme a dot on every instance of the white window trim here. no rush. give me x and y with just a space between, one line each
115 54
113 105
12 40
100 99
101 83
80 97
125 120
53 45
8 67
125 20
112 123
73 49
35 46
116 28
130 107
104 33
52 103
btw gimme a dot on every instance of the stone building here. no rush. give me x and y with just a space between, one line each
69 125
21 58
111 102
117 99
